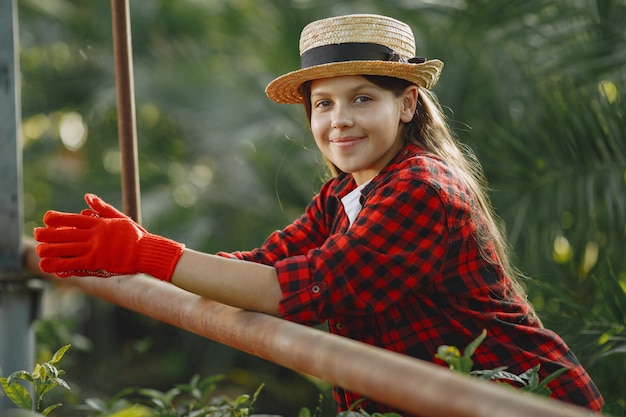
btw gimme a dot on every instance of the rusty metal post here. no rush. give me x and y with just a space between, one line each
19 297
126 117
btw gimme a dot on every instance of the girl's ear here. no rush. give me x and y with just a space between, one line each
409 103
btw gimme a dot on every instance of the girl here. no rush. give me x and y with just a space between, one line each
399 249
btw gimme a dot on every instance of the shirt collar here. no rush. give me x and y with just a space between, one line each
405 153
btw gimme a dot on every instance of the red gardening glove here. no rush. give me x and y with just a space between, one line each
103 242
98 208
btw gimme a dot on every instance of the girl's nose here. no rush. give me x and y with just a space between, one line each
342 117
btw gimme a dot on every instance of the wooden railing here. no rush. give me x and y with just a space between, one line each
397 380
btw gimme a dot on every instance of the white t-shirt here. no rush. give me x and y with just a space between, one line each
352 202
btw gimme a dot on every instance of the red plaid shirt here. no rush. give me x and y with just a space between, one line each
407 276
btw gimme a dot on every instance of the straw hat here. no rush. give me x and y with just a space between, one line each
359 44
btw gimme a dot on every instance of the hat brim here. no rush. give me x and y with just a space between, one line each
286 88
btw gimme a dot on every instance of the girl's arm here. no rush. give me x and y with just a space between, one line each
243 284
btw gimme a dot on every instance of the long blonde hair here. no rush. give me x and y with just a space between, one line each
429 129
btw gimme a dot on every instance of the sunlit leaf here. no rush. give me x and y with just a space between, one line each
58 355
17 394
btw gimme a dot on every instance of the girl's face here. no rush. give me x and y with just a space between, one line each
358 125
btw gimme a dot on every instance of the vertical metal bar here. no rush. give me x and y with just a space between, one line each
19 300
127 126
10 155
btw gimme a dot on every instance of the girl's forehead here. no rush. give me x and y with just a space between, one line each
340 82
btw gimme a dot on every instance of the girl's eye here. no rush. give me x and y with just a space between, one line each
362 99
323 103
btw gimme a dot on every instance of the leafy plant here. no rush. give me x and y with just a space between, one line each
184 400
353 411
529 380
44 378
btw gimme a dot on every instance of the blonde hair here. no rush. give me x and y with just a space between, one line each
429 130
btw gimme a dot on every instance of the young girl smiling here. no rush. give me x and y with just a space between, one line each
399 249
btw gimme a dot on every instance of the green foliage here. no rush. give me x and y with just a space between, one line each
452 356
44 378
528 380
353 411
186 400
194 399
198 398
356 411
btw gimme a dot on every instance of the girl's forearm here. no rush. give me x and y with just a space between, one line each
242 284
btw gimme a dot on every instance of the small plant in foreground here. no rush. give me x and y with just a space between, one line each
353 411
529 380
184 400
362 413
43 379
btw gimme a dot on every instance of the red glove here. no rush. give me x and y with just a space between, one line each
101 241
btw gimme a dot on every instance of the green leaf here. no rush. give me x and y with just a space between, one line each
240 400
20 375
471 348
38 372
62 383
43 389
208 384
552 376
18 394
151 393
461 365
50 370
49 409
533 381
539 390
497 373
256 394
59 354
354 404
528 374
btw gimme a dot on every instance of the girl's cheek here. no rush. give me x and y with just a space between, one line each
316 126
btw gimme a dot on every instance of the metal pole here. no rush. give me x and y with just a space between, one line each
126 121
10 155
19 297
416 386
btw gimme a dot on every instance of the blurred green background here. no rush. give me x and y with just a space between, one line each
534 87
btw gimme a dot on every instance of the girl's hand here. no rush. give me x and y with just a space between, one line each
102 241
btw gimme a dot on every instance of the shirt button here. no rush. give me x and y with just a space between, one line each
315 289
339 326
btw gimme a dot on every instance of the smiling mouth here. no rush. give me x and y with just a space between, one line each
347 141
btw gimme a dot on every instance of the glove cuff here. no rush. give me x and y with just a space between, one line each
158 256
